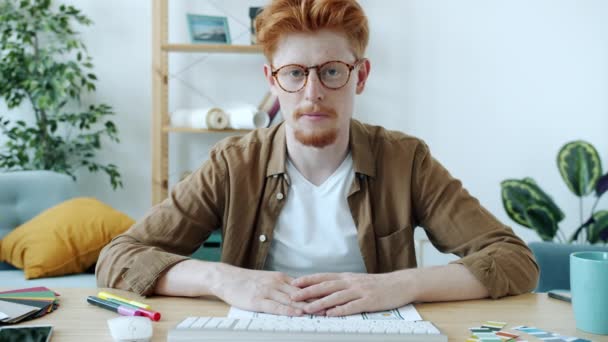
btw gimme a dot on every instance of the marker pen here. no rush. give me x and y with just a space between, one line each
106 296
120 309
153 315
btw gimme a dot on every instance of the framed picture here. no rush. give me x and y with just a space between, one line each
206 29
253 12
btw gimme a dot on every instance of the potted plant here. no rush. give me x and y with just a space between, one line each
527 204
44 64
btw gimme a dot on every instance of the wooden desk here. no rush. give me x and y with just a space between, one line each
76 320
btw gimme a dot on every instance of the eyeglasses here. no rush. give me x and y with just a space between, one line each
333 75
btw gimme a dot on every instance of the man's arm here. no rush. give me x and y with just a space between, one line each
170 232
432 284
456 223
247 289
189 278
350 293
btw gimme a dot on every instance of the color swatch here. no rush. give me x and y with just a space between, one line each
25 304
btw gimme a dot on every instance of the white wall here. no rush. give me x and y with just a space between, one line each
494 87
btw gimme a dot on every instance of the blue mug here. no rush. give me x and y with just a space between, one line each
589 288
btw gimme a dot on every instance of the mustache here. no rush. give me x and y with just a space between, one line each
305 109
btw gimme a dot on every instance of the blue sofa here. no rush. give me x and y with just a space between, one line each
23 195
554 262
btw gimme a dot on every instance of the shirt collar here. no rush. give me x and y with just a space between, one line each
278 153
360 148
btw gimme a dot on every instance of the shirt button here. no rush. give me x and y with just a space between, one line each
280 196
262 238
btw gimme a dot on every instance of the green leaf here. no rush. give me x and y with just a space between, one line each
519 195
543 197
541 220
598 227
580 167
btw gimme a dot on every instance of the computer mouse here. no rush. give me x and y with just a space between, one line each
130 329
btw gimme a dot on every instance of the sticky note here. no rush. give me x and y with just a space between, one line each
506 334
487 337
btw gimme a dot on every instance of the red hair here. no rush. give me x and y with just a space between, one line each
291 16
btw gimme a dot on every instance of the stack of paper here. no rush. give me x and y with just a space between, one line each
25 304
404 313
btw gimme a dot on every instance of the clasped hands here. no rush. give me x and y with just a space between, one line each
331 294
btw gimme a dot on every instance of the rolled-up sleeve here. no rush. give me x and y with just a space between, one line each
168 234
455 222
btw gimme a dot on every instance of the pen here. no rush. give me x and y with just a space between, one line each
106 296
120 309
153 315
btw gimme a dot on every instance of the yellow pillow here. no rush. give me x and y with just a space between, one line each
64 239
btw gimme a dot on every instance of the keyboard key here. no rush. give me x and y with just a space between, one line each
378 329
200 322
226 323
187 322
242 324
213 322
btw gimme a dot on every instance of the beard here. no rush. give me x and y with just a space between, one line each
318 137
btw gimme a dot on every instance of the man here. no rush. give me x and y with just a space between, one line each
317 214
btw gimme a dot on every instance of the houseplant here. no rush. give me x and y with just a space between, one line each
45 66
580 167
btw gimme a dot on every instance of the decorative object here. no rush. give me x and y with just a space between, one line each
44 62
200 118
247 116
270 104
580 167
64 239
207 29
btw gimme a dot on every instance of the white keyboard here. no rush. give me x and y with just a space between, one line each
302 329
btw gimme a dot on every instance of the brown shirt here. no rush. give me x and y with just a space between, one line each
243 186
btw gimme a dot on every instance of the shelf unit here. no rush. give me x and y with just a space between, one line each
211 48
161 48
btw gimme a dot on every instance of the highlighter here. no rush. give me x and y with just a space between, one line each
120 309
107 296
153 315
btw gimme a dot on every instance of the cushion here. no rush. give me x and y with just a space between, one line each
64 239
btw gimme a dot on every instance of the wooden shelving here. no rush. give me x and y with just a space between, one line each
171 129
161 49
212 48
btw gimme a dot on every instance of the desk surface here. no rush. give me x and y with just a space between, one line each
76 320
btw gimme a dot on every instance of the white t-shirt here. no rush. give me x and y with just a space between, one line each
315 231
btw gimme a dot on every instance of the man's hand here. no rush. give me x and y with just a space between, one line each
262 291
342 294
